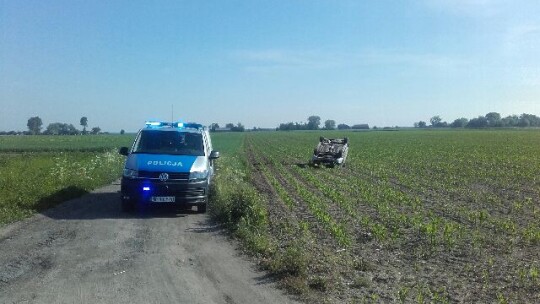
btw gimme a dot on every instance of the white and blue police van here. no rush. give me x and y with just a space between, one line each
168 163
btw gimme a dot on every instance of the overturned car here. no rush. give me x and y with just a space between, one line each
330 152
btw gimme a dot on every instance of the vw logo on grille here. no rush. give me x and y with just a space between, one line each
163 177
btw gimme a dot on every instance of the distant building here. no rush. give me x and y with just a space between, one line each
222 130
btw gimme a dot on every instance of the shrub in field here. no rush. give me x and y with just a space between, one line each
293 260
237 204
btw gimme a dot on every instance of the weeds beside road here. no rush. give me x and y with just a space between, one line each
38 172
33 182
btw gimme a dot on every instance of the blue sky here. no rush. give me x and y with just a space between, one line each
384 63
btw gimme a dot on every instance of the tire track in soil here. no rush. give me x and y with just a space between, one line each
362 235
394 265
318 250
277 210
360 207
367 209
377 265
301 210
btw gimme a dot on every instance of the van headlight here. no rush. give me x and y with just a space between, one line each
198 175
129 173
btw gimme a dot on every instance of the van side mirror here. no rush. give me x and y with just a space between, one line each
214 154
124 151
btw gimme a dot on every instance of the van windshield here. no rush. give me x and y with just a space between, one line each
169 142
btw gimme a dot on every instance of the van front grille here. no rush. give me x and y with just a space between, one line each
172 175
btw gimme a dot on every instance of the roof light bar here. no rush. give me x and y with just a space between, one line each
178 124
153 123
193 125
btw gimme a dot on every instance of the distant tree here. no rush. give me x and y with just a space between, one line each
524 122
71 130
330 124
58 128
238 128
313 122
84 123
34 125
53 128
510 121
122 132
360 127
494 119
435 121
214 126
343 127
229 125
287 126
96 130
422 124
528 120
459 123
480 122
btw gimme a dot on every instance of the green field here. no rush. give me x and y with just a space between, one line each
414 216
54 143
37 172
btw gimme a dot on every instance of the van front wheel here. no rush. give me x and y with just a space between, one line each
201 208
128 205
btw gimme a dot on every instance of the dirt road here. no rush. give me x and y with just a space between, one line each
87 251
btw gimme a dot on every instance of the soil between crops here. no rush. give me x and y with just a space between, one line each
408 265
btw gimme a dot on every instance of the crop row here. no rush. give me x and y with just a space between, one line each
465 196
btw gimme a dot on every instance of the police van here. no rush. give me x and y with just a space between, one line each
168 163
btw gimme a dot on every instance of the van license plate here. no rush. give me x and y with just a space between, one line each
162 199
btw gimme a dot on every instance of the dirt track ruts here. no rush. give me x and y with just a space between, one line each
87 251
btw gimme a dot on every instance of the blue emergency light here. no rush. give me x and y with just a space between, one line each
146 188
157 124
178 124
193 125
153 124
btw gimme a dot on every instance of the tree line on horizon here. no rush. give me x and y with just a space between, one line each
35 125
490 120
214 127
314 122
